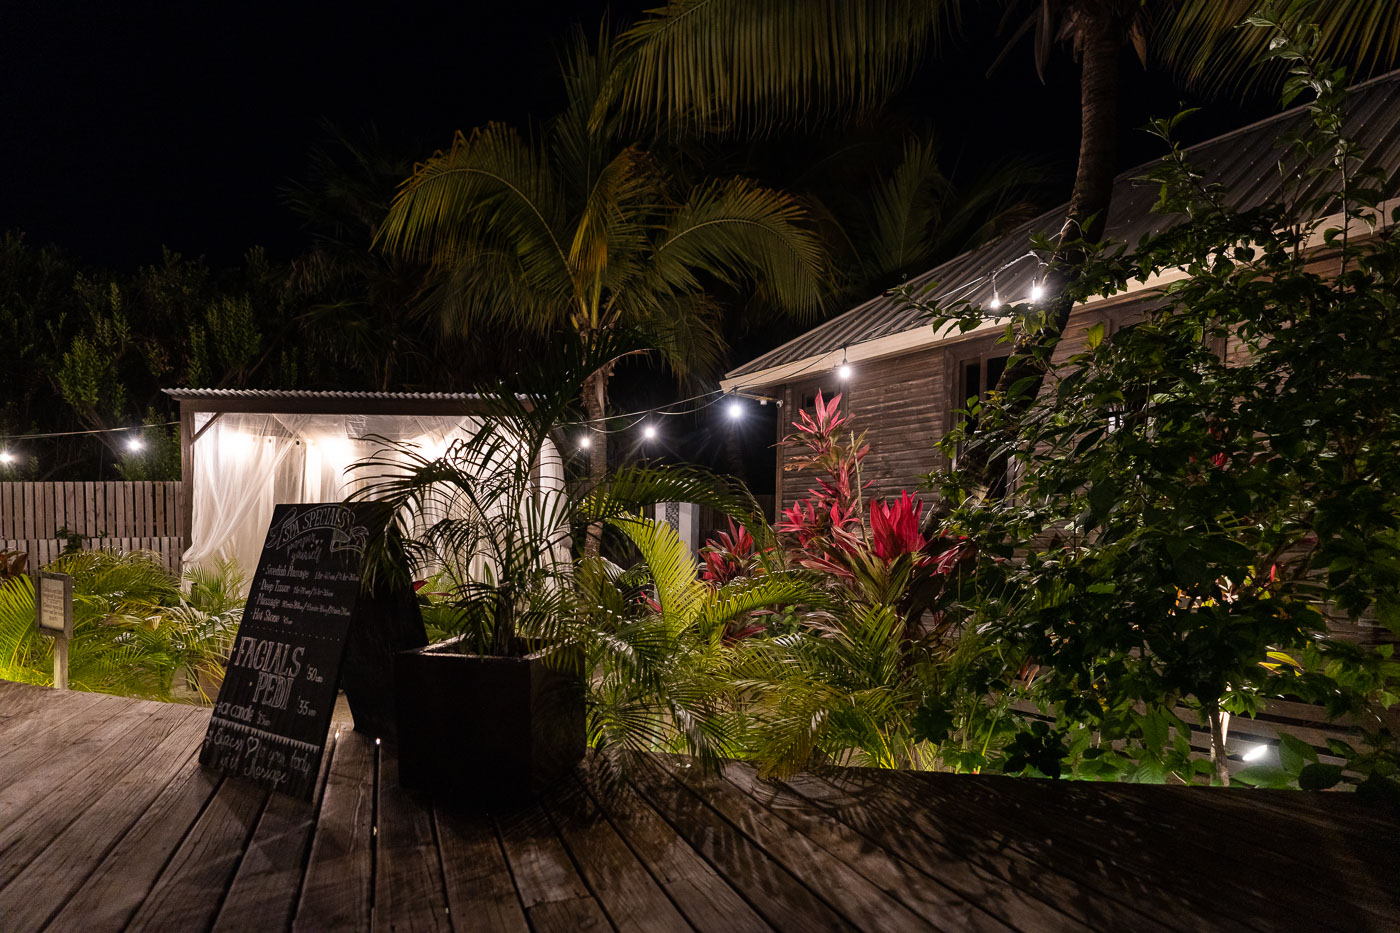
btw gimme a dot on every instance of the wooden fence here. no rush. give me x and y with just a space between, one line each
41 518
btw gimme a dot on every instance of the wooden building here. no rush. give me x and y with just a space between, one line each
907 380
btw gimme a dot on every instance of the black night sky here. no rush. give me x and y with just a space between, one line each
128 126
125 127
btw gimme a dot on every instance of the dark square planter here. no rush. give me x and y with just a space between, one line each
482 727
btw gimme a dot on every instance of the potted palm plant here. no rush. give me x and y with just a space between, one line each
497 709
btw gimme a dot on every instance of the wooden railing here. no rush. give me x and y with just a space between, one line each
42 519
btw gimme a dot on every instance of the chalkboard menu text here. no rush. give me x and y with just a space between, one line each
274 708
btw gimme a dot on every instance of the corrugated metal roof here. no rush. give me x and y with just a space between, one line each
274 395
1244 162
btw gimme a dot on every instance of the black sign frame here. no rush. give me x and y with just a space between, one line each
274 709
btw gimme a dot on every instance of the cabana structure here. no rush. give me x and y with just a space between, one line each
245 450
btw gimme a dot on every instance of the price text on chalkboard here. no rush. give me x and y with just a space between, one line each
274 709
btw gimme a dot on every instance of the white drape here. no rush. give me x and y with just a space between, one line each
244 464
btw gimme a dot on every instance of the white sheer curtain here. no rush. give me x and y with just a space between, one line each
244 464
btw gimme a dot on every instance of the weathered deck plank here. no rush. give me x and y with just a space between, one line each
628 893
705 898
1124 852
114 892
835 882
109 823
409 892
188 893
268 880
57 796
40 888
480 893
922 893
338 885
771 889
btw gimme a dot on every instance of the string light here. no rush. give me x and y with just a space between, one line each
134 444
598 425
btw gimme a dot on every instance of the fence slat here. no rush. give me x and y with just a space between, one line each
36 511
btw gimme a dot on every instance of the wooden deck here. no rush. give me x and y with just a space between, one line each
107 822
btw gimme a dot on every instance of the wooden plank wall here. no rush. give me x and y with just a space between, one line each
37 518
901 405
905 404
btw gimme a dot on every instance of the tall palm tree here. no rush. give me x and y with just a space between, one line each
736 64
583 230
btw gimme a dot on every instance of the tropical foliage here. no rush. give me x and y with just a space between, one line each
660 645
585 231
500 524
1208 493
134 632
844 678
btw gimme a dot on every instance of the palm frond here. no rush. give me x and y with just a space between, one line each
739 232
735 65
1204 42
490 188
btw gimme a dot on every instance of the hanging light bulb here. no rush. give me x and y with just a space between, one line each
736 409
649 432
1037 291
585 442
996 301
6 457
134 444
843 372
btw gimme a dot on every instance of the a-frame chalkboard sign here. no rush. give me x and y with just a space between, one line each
274 708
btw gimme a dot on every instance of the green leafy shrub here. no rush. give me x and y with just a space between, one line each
1203 496
134 633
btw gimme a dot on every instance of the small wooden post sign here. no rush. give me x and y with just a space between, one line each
274 708
53 616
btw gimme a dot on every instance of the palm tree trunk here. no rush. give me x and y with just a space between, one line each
1103 31
595 404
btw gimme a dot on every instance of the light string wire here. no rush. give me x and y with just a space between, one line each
136 427
709 399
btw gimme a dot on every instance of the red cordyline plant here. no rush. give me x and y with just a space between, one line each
886 559
729 556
